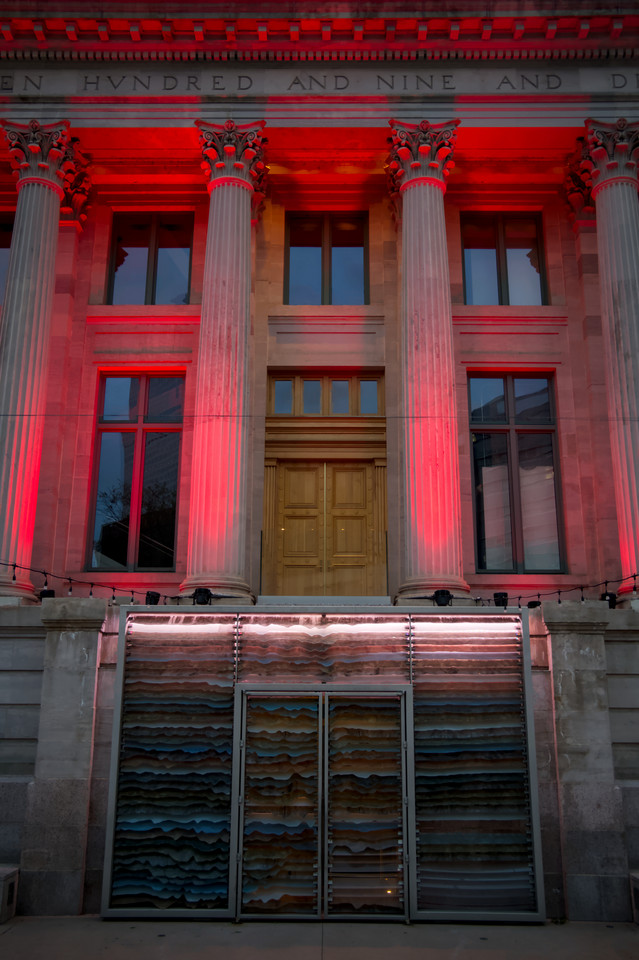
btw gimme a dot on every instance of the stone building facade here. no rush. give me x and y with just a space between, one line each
321 326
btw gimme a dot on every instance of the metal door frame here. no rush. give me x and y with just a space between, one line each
323 692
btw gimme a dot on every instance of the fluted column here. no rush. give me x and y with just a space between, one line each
42 156
217 550
613 150
418 165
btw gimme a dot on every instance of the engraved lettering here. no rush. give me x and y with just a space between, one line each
447 82
341 82
114 84
296 83
217 82
389 83
505 81
425 81
553 82
320 81
619 81
170 82
531 81
6 82
244 82
88 82
192 82
140 80
36 83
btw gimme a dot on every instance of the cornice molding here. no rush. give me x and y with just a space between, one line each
320 38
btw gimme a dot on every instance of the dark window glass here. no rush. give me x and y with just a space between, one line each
283 396
516 505
347 261
305 260
339 397
113 502
487 400
492 501
312 395
137 473
368 397
6 229
502 259
326 259
159 499
151 258
121 398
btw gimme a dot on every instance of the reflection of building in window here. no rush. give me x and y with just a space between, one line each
326 259
6 228
502 259
139 428
516 511
151 258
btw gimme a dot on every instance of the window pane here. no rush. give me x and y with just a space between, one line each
113 503
339 397
532 400
121 396
479 240
368 397
492 502
132 236
305 260
347 261
283 396
166 400
522 256
159 498
312 396
487 400
174 259
6 228
538 503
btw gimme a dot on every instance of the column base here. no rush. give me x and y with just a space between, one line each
423 588
16 592
222 588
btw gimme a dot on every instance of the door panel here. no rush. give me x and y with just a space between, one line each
326 542
322 805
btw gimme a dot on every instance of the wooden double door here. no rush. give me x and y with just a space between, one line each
325 528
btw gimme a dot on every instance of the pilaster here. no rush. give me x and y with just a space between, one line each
218 525
613 149
420 160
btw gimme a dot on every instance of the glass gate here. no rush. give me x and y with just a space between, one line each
322 804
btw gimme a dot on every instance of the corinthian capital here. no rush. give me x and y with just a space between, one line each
233 150
612 149
578 183
41 153
420 150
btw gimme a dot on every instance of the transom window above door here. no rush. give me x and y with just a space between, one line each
322 395
326 259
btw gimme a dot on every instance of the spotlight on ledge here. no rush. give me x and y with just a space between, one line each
202 595
533 603
152 598
442 598
501 599
46 593
611 598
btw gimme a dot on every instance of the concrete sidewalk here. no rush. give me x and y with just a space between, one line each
89 938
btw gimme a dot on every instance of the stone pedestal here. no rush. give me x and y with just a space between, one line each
57 815
218 524
43 158
418 166
613 151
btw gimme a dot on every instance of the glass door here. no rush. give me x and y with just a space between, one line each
322 804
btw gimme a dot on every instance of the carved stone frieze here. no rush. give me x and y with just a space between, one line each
612 151
232 150
44 153
420 150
